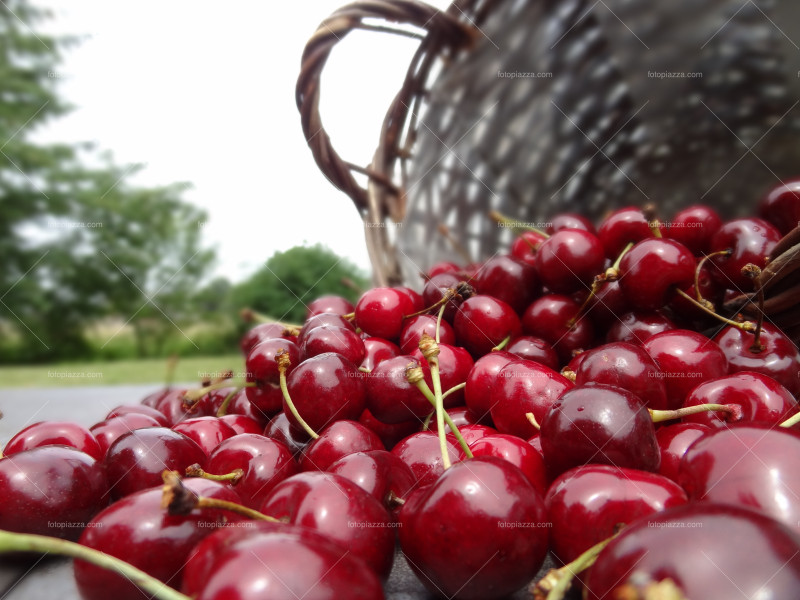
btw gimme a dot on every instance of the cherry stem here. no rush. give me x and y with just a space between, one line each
753 272
502 344
28 542
454 389
426 391
610 274
223 408
513 224
194 396
196 471
172 366
282 357
700 264
653 222
177 499
439 322
555 584
659 416
250 316
462 290
791 421
430 350
748 326
532 420
444 231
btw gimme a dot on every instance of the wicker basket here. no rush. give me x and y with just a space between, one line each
544 106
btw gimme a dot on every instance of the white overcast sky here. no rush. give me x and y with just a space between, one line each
203 92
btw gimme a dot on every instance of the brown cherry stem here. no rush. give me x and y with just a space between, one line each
753 272
196 471
748 326
700 264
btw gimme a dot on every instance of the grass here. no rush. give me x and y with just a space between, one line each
118 372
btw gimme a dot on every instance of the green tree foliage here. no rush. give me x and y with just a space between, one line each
79 242
290 280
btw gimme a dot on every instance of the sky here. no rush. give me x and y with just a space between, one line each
203 92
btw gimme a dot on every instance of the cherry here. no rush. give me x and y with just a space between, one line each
481 379
638 326
569 221
337 440
139 409
710 290
707 551
50 490
281 429
530 347
329 304
135 461
380 312
376 350
606 305
762 399
509 280
151 400
461 417
107 432
51 433
378 472
434 291
242 423
525 386
261 332
441 268
175 408
781 206
138 530
626 366
414 327
322 320
482 322
290 562
516 451
568 260
748 465
262 370
599 424
557 319
420 451
339 508
525 245
328 338
749 241
777 357
208 432
694 227
325 388
479 532
651 270
587 504
417 302
673 441
622 227
686 359
455 363
390 397
390 433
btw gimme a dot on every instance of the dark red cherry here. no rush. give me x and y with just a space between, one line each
339 508
380 312
265 462
286 432
109 431
479 532
51 490
329 304
54 433
322 320
262 370
525 245
261 332
569 221
626 366
333 339
291 562
208 432
326 388
376 350
778 357
508 279
152 399
781 206
414 327
242 423
481 380
638 326
530 347
175 407
417 302
525 386
443 267
455 363
707 551
138 409
390 433
378 472
607 305
390 398
139 531
435 289
650 272
516 451
587 504
749 241
136 460
622 227
748 465
673 441
558 320
420 451
482 322
599 424
694 227
568 260
686 359
337 440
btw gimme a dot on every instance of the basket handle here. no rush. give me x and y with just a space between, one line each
331 31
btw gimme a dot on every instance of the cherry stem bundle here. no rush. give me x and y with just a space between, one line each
430 350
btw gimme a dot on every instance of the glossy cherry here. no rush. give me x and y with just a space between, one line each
329 304
650 272
376 350
380 312
455 364
390 433
138 409
558 320
569 221
378 472
516 451
694 227
530 347
262 370
286 432
329 338
525 245
420 451
261 332
390 397
749 241
51 433
242 423
673 441
637 327
568 260
435 289
482 322
481 380
508 279
109 431
207 432
414 327
175 408
322 320
781 206
622 227
336 441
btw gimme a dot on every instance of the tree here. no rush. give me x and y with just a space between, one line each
290 280
79 242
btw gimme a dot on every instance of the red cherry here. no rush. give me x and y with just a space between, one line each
622 227
587 504
509 280
525 245
420 451
694 227
638 326
329 304
380 311
650 272
417 302
328 338
52 433
443 267
286 432
208 432
378 472
242 423
481 379
414 327
749 241
322 320
140 409
390 398
673 441
558 320
435 289
455 363
337 440
376 350
262 370
109 431
607 305
482 322
479 532
781 206
516 451
533 348
569 221
568 260
51 490
261 332
174 407
390 433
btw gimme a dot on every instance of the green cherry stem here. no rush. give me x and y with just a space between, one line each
283 364
28 542
733 410
430 350
194 395
223 408
791 421
196 471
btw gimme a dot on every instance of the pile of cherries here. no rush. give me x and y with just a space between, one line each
580 396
